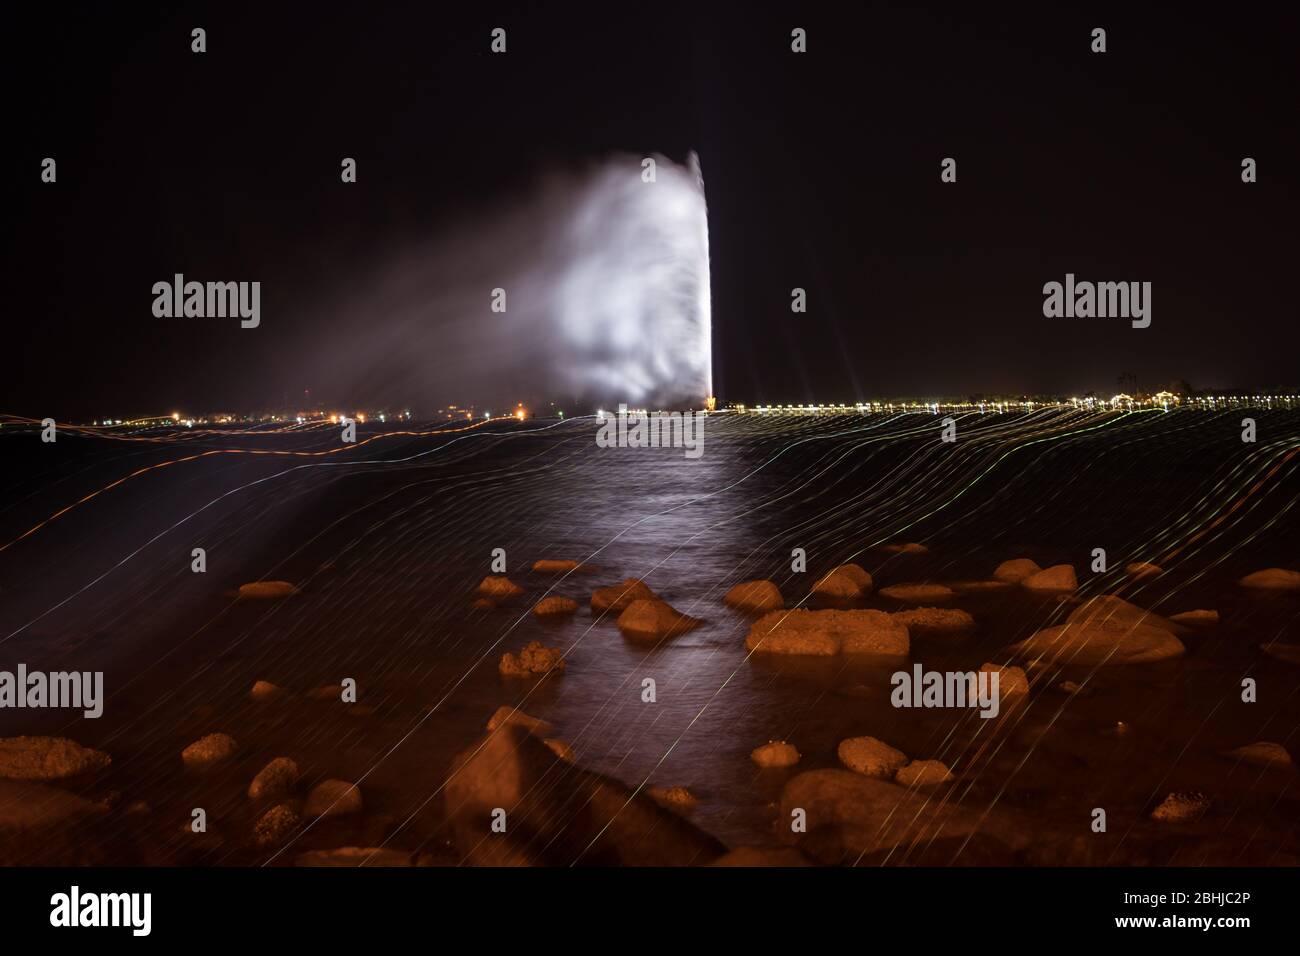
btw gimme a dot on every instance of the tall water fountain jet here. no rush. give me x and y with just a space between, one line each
604 282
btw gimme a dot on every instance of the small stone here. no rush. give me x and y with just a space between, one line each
918 593
1069 687
275 825
673 798
775 753
1012 681
1016 570
209 750
333 798
554 606
1059 577
923 773
265 590
871 757
265 690
1262 754
557 566
1272 579
1143 569
533 659
274 781
1183 807
756 597
1196 617
846 581
910 548
617 597
354 856
498 587
47 758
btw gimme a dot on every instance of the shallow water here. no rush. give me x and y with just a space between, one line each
388 542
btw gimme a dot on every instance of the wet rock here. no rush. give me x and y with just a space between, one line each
1012 682
1262 754
1143 569
827 633
775 753
976 587
1069 687
558 814
755 596
923 773
265 690
1105 630
910 548
673 798
498 587
846 581
333 798
554 566
617 597
1113 612
275 781
763 856
355 856
275 826
1016 570
934 619
918 593
1272 579
1198 617
850 816
482 604
1283 652
26 806
1059 577
1184 807
871 757
210 750
47 758
561 750
533 659
554 606
509 716
263 590
653 620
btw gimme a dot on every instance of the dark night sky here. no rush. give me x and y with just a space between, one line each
822 171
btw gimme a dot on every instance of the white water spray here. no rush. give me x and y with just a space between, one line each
607 300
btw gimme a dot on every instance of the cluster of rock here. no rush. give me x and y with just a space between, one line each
534 659
875 758
826 633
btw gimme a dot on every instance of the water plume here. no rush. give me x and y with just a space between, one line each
606 290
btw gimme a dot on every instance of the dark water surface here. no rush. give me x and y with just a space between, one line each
389 540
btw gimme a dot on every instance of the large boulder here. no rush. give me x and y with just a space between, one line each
757 597
1059 577
617 597
845 582
1105 630
653 620
850 816
558 814
827 633
1272 579
47 758
1016 570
